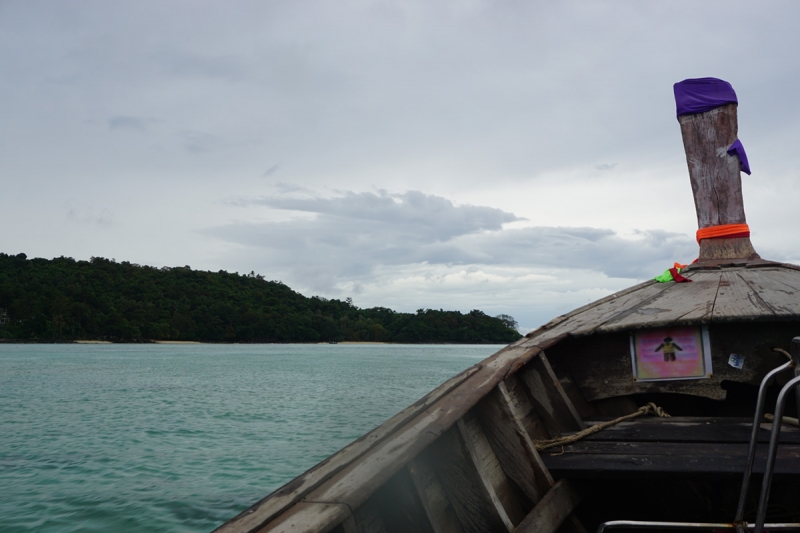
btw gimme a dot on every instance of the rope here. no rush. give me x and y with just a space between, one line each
786 419
784 352
650 408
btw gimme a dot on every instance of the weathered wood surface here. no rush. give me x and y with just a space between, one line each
725 248
365 519
440 512
293 491
683 303
585 320
556 506
736 300
789 277
502 413
715 178
689 429
400 505
672 446
511 422
782 299
550 400
495 482
306 517
610 459
756 292
601 365
476 507
762 292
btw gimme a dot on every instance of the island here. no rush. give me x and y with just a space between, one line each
63 300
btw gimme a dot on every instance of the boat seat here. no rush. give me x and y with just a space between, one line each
673 446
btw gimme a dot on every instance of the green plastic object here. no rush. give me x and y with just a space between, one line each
666 277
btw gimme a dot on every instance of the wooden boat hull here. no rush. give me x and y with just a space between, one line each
464 458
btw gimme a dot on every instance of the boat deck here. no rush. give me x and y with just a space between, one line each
673 446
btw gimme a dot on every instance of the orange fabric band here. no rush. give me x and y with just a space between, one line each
725 230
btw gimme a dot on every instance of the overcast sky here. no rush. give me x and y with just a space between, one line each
519 157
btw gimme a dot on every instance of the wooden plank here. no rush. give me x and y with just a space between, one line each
519 401
284 497
549 399
467 492
684 303
502 413
623 459
573 392
715 178
783 300
735 300
365 519
689 429
512 422
440 512
556 506
349 525
585 320
601 365
497 485
399 504
788 276
305 517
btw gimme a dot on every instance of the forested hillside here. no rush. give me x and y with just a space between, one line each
64 299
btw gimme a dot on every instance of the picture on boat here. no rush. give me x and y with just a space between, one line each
670 353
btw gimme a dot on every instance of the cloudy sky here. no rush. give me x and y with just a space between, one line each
519 157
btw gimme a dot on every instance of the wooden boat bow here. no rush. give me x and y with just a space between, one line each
463 459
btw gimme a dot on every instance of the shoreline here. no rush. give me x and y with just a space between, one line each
364 343
358 342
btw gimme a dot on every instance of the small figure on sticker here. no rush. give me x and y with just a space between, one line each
668 348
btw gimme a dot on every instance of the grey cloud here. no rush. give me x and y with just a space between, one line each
460 99
285 188
88 216
354 234
201 66
271 170
121 122
412 212
198 141
602 250
605 166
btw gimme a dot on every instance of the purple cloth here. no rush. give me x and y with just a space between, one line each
702 94
738 149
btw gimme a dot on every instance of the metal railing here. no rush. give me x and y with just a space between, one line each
738 524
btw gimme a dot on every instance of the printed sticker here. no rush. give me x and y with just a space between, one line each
671 353
736 361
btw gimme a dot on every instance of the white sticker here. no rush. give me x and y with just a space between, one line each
736 361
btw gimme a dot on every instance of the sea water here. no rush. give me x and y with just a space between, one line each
183 437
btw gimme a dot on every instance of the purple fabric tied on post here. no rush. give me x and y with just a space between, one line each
738 149
702 94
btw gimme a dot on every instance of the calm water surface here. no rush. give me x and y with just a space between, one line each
183 437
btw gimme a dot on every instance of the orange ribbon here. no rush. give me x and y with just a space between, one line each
725 230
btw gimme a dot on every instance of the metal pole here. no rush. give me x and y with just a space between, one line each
773 451
686 525
751 453
795 352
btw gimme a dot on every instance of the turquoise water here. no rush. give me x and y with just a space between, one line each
183 437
